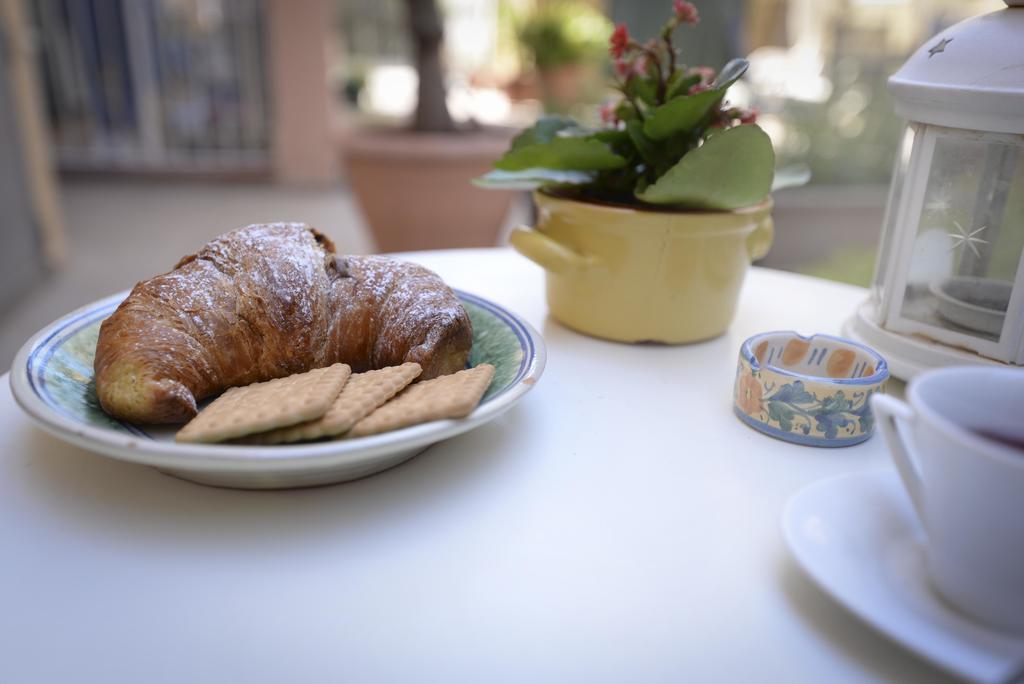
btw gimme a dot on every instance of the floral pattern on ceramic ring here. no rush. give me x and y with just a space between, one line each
809 390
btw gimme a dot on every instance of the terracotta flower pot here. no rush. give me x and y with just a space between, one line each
414 188
563 86
638 275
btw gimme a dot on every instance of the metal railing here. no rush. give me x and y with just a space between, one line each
162 85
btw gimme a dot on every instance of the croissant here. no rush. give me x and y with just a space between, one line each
266 301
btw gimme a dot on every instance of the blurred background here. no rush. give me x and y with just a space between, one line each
133 131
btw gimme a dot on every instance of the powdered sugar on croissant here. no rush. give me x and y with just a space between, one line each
266 301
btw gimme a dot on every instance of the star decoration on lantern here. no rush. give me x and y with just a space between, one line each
939 47
962 237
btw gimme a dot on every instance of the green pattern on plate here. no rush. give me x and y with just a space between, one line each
68 375
68 371
494 343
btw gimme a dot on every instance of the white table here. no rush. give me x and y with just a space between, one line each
619 524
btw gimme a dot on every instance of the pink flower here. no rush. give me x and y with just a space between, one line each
628 69
619 41
706 73
698 88
743 116
640 65
685 12
607 112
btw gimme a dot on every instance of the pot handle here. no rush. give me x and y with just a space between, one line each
760 241
889 412
546 251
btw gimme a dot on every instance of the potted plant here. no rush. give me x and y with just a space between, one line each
566 40
412 185
648 223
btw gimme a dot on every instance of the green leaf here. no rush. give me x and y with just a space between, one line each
531 179
612 136
643 89
680 85
781 414
572 154
680 114
625 111
732 169
649 151
683 112
545 130
729 74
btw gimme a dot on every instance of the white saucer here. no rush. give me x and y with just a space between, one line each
857 537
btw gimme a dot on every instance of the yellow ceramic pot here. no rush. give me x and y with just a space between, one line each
636 275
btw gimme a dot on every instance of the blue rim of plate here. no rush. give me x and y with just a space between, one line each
135 445
42 352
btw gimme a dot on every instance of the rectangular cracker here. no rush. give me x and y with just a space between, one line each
359 397
264 406
449 396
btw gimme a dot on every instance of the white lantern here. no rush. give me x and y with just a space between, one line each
949 279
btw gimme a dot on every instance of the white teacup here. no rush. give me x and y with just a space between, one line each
959 449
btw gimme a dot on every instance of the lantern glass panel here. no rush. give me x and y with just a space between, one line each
891 222
970 236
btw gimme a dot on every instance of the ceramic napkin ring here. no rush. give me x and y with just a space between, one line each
808 390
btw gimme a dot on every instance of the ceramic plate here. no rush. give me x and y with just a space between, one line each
52 380
857 537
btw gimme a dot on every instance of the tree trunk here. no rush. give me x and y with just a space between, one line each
427 33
